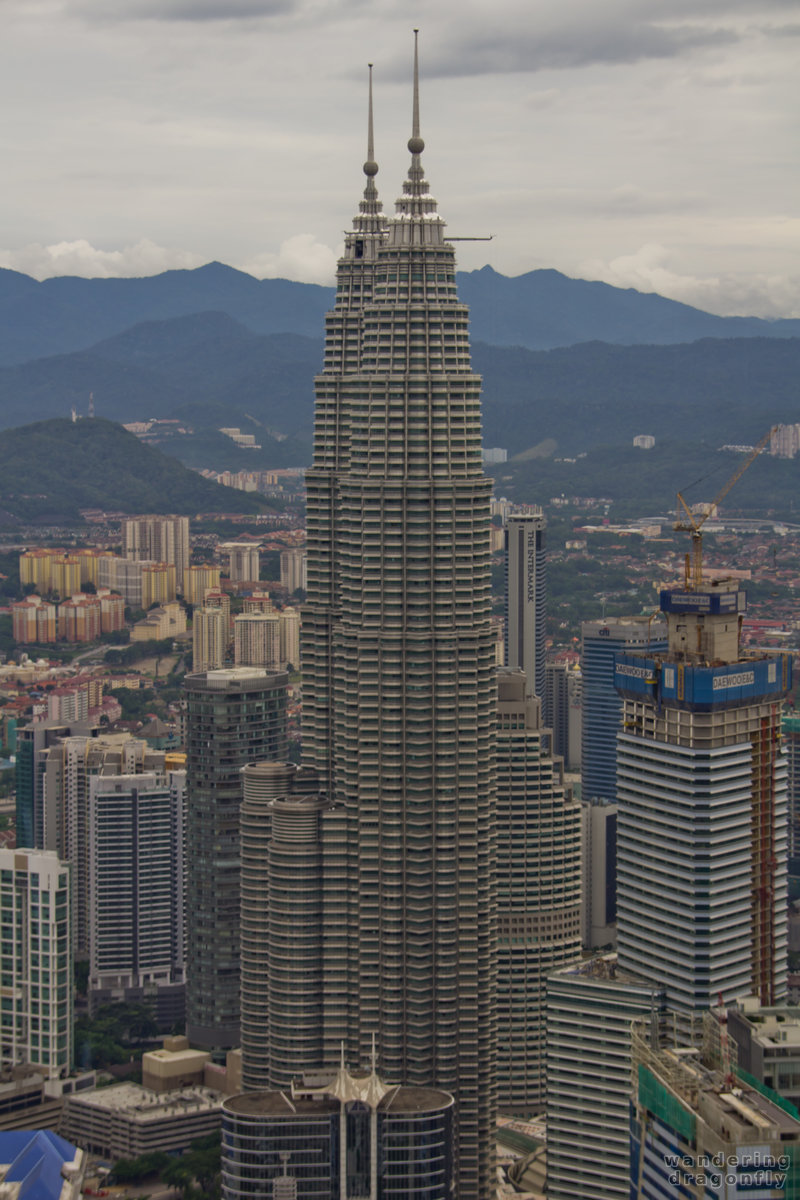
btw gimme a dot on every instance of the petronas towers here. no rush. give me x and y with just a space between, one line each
399 694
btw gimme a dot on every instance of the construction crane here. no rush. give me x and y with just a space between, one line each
694 563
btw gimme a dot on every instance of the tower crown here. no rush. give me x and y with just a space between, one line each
416 220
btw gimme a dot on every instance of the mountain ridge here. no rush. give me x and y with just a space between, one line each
538 310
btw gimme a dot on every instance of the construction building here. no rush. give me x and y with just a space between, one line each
699 1129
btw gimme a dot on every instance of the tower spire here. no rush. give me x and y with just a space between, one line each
370 134
416 206
415 142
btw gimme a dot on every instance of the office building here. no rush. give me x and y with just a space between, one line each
399 696
601 641
67 769
281 924
158 539
555 707
233 717
352 1138
702 823
209 639
33 742
538 890
601 709
136 892
36 961
526 598
127 1120
695 1131
590 1008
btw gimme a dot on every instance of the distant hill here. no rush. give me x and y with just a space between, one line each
539 310
52 469
209 371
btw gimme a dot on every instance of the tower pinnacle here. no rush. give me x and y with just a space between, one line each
370 166
415 143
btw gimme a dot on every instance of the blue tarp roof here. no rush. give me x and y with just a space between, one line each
35 1158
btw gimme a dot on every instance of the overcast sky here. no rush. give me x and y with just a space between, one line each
648 143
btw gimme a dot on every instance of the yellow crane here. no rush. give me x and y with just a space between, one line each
694 563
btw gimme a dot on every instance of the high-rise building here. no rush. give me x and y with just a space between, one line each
36 959
257 640
590 1007
281 924
33 742
538 889
702 824
526 597
209 639
243 561
199 579
34 620
159 584
233 717
399 698
136 891
701 852
68 768
601 641
290 637
159 539
293 568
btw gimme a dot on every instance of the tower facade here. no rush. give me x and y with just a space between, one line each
526 598
233 717
136 890
398 677
36 941
538 889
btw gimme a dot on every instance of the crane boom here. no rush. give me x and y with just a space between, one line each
694 573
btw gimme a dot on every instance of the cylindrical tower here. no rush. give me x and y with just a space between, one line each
281 925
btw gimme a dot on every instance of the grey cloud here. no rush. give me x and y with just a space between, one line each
179 10
574 47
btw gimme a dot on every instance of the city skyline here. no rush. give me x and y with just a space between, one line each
664 130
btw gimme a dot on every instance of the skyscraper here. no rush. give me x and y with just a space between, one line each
398 687
136 891
526 598
233 717
702 826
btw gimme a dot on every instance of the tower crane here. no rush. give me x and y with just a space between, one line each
690 524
